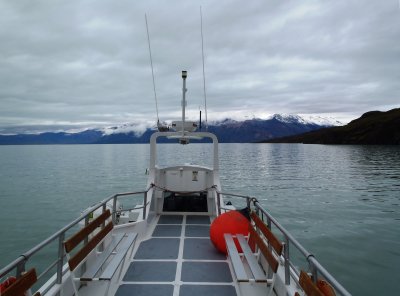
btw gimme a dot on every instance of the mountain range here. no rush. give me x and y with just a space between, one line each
372 128
227 131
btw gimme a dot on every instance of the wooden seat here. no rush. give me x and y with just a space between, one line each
22 284
312 289
113 254
246 266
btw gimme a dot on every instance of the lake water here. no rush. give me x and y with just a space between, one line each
341 202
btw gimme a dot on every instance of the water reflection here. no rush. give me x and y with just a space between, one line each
334 199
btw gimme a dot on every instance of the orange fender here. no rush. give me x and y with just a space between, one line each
325 288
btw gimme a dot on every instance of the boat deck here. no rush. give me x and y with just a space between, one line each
178 259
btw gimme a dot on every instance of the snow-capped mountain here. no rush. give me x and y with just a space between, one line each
288 118
227 130
307 119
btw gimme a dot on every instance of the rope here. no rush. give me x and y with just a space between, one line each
204 75
152 71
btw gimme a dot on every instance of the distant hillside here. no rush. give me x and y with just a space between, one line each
227 131
375 127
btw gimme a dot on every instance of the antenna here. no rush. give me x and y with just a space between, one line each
204 75
152 71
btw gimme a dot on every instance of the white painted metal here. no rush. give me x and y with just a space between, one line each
187 135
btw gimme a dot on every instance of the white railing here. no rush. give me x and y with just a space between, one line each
289 241
19 264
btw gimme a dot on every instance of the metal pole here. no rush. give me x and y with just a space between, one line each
86 224
114 212
184 75
20 268
270 274
248 201
145 205
200 122
218 203
60 262
287 261
314 272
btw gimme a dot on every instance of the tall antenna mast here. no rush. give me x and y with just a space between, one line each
152 71
204 75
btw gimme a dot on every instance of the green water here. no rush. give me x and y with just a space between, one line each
341 202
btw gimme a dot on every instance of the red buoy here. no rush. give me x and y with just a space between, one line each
231 222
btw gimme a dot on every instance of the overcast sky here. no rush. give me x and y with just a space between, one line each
86 63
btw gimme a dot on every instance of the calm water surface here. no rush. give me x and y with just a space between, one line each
341 202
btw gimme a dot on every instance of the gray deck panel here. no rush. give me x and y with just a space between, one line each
201 290
213 272
158 248
197 231
150 271
167 230
170 219
201 248
144 290
193 219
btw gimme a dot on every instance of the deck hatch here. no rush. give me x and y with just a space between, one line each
167 230
197 231
158 248
150 271
145 290
201 290
201 249
195 219
212 272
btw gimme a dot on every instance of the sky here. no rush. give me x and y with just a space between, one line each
73 64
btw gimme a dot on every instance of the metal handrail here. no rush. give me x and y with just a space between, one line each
19 263
315 266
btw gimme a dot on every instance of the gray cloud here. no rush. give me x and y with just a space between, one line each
85 63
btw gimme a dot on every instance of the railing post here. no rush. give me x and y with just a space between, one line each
145 205
114 210
60 262
287 260
86 240
86 224
248 202
269 222
218 203
313 272
270 274
20 268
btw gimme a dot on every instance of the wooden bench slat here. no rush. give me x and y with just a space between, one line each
237 263
255 268
308 285
74 240
96 266
275 243
82 253
112 267
264 249
24 283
